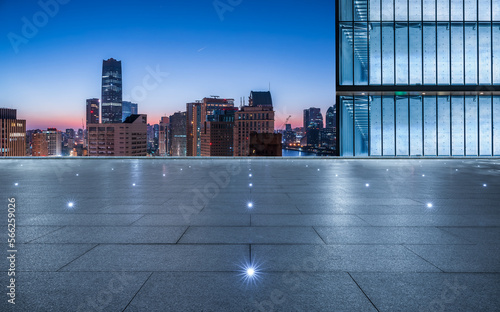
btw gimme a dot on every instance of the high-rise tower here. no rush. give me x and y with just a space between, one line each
111 95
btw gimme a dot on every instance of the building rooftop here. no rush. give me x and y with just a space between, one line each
261 98
254 234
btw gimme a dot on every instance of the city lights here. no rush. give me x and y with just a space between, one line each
71 204
250 205
429 205
367 184
250 185
16 184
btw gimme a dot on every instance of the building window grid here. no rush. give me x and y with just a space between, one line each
354 25
492 133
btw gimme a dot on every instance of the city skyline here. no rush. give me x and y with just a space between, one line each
175 48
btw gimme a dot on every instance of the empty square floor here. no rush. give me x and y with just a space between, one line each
240 234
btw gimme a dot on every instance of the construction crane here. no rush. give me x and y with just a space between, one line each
284 124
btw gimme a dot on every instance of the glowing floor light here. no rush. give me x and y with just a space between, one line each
250 273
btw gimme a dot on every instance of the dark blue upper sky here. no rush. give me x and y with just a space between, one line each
287 44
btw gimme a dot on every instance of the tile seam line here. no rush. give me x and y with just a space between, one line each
404 246
59 270
363 292
315 231
59 228
131 224
178 240
140 288
456 235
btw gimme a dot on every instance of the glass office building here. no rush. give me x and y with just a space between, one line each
418 77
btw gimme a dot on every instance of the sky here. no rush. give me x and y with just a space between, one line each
172 53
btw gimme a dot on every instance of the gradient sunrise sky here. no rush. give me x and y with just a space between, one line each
222 47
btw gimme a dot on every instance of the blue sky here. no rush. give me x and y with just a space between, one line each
287 44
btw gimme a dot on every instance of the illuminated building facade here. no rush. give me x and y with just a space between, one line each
111 95
177 134
12 133
418 78
39 145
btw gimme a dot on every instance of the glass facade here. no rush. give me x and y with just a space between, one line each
418 77
400 42
415 125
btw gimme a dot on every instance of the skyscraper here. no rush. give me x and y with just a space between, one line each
92 111
256 118
111 96
177 139
313 123
197 115
54 141
128 108
39 144
330 117
12 133
217 135
419 78
193 128
163 136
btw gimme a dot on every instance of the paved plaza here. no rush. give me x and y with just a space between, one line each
252 234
